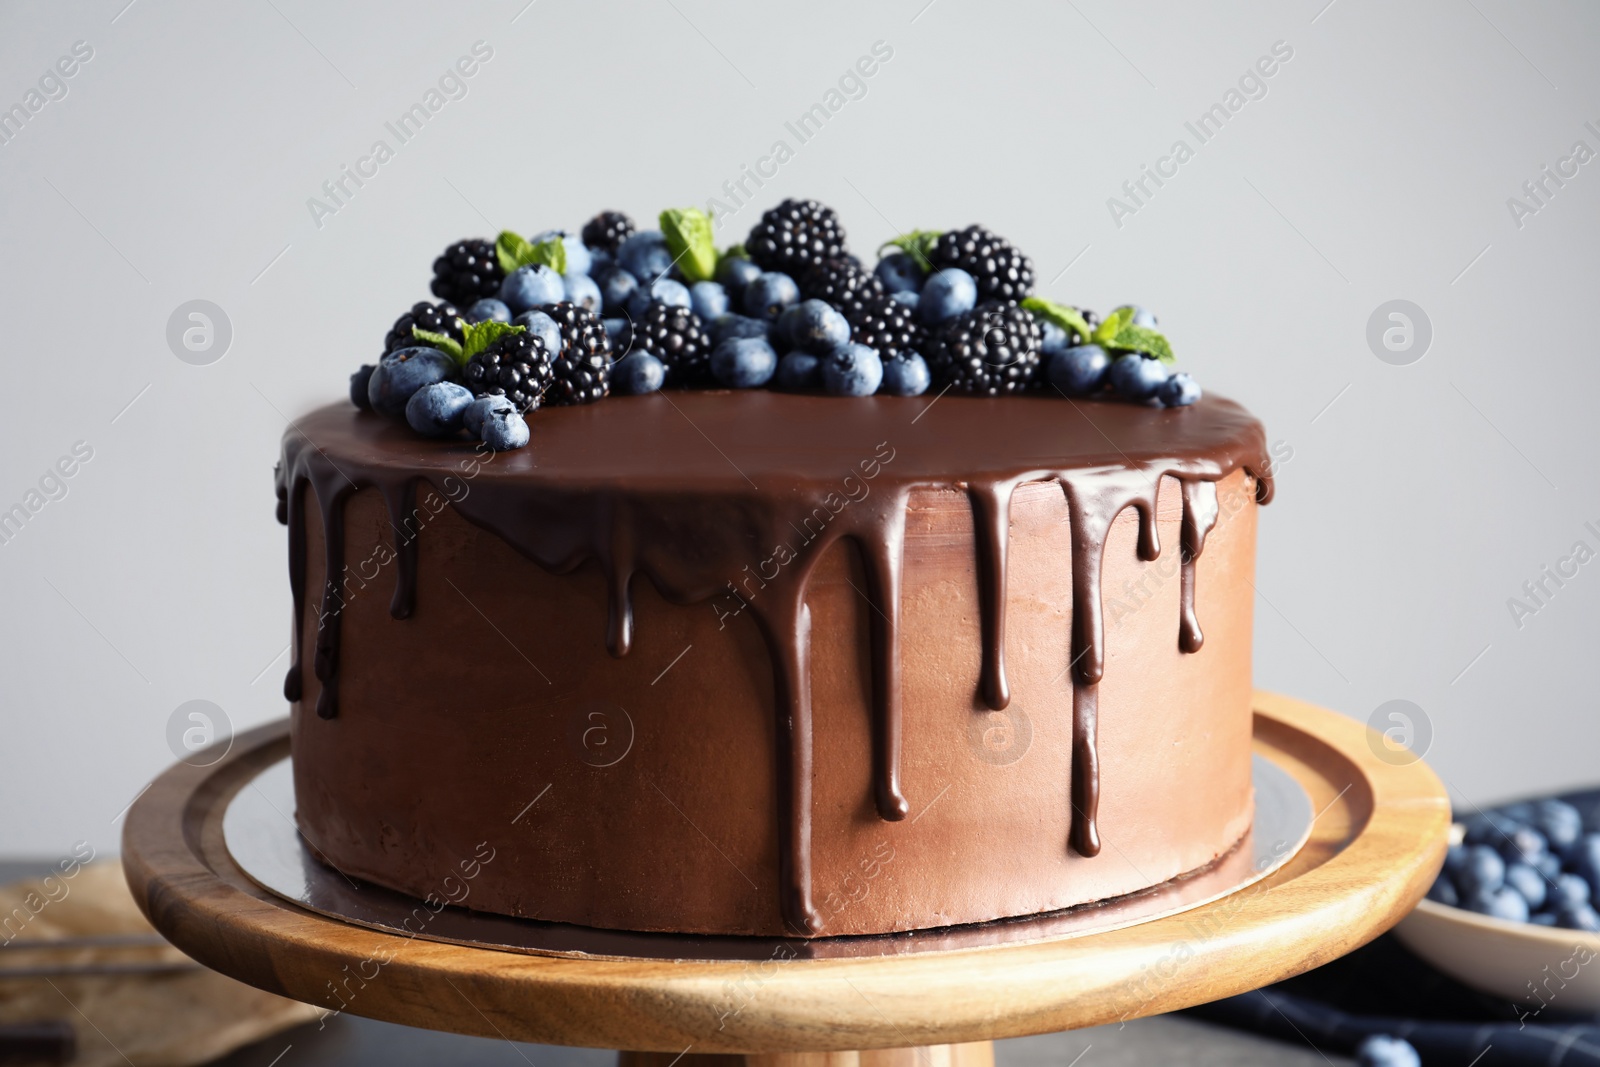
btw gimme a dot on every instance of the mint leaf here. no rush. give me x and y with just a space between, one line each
512 250
439 340
735 252
918 244
1131 338
551 253
689 239
1068 318
480 335
1113 324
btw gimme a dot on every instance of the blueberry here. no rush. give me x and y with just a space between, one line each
1578 917
1135 377
905 374
736 272
1503 903
946 294
488 310
1488 828
899 273
358 386
541 326
708 299
852 370
579 259
637 373
1455 858
1382 1050
724 327
479 410
438 410
1483 872
1079 370
503 431
645 255
616 286
799 370
1178 391
813 326
1055 339
743 362
528 287
661 291
909 299
1523 843
600 261
1569 889
1141 317
1559 822
1527 882
767 296
402 372
583 291
1548 865
1443 892
620 333
1585 858
1543 918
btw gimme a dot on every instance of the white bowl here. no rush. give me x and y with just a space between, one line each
1539 966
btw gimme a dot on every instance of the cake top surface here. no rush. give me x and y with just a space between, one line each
715 441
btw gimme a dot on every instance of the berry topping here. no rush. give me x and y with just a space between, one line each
583 366
794 235
999 268
434 318
517 366
990 351
889 326
607 230
467 271
679 339
842 283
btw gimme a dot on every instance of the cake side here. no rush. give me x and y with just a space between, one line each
903 813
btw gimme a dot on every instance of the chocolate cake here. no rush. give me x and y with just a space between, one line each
812 662
808 611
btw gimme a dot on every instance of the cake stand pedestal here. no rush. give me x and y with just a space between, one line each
1378 840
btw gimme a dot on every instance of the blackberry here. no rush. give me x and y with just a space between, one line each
991 350
889 326
1000 270
846 285
516 365
467 271
583 366
793 236
607 230
1090 318
435 318
680 340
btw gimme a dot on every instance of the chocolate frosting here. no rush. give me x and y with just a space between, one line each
731 498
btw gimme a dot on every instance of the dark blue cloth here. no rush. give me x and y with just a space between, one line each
1384 989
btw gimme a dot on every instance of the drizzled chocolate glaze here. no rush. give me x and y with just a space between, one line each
702 492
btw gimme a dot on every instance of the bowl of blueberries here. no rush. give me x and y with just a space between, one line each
1513 912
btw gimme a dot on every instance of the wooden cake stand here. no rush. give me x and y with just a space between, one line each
1377 841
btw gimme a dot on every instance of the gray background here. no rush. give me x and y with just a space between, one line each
1378 165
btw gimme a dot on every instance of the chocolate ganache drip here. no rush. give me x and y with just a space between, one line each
690 489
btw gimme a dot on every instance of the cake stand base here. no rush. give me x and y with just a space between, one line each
971 1054
1377 840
